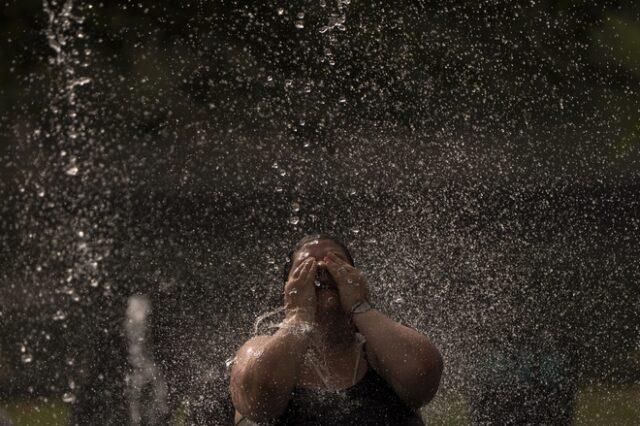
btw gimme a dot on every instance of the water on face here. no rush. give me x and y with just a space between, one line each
159 161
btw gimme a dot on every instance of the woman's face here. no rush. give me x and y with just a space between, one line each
326 288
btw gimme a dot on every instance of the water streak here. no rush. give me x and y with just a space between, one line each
146 387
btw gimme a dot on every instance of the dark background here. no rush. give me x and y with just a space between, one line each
481 159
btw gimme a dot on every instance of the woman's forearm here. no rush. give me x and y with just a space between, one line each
281 357
406 358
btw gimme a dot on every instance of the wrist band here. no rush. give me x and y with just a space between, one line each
360 307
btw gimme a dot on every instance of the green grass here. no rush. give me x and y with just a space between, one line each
38 413
611 406
446 410
595 406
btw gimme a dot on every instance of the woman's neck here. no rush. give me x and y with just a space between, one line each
334 333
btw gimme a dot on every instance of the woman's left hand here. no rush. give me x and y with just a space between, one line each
352 287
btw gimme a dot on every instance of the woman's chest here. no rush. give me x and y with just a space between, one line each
334 374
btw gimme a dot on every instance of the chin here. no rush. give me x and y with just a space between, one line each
328 300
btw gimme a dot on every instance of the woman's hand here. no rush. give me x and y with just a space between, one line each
300 293
352 287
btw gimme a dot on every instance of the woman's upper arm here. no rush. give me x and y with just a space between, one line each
415 397
242 400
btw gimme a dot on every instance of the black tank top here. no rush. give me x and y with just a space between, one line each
369 402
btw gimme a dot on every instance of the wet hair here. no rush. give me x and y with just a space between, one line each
306 239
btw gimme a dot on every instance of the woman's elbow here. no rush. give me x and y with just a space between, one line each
433 376
430 380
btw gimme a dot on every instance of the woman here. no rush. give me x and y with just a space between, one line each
335 360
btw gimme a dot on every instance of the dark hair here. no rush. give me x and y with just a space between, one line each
305 240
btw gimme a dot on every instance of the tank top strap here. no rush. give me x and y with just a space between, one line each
360 341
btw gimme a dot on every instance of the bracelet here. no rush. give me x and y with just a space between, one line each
361 307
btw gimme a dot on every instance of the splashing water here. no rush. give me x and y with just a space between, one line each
480 161
147 389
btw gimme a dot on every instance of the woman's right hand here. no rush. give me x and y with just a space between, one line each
300 293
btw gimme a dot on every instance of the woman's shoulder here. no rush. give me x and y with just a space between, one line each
250 346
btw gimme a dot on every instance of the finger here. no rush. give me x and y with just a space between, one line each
300 269
334 257
308 264
337 271
310 272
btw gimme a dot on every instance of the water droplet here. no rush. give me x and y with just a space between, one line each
278 189
69 398
79 82
292 292
317 283
229 362
295 207
93 283
342 100
72 170
26 358
323 3
280 11
294 220
299 25
59 315
300 15
288 83
41 192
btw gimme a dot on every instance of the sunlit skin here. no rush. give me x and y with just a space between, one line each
267 368
327 295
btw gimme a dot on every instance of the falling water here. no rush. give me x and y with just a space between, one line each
480 160
147 390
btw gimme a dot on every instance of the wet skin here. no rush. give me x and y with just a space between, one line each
268 368
327 291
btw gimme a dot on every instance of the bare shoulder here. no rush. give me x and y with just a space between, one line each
250 349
